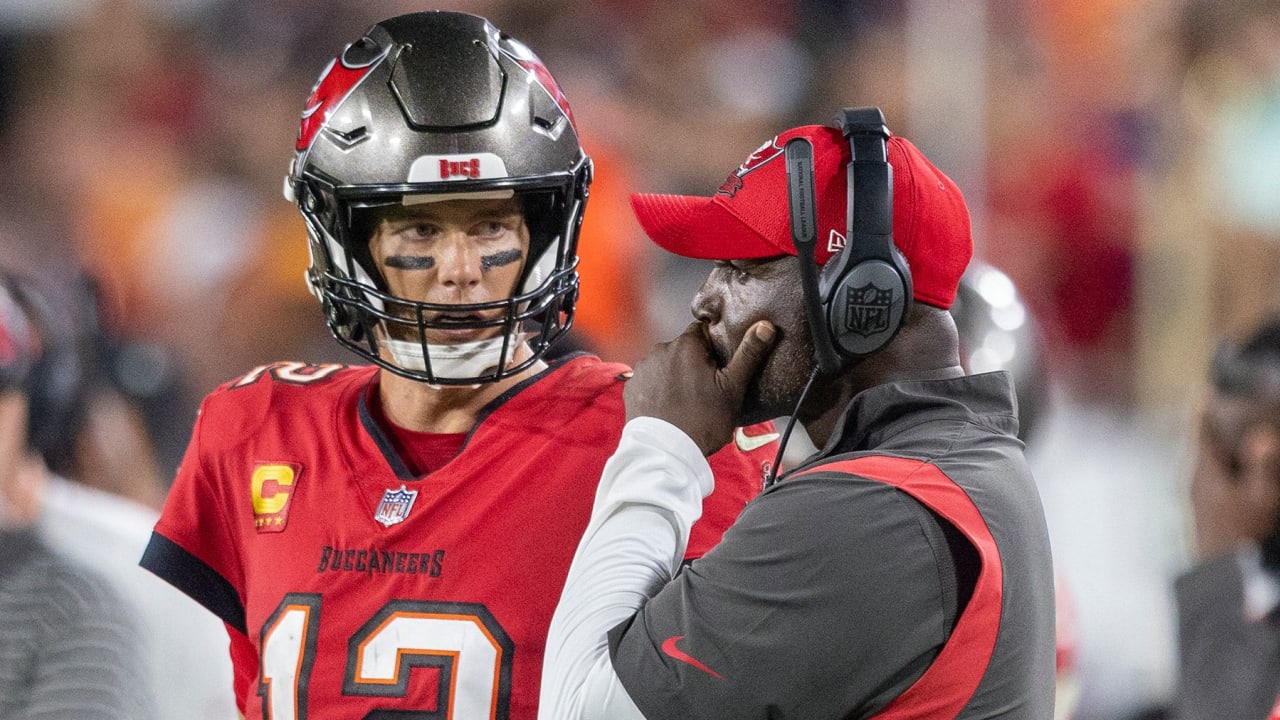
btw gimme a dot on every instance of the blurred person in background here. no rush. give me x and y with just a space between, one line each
1229 602
93 385
102 498
391 538
69 645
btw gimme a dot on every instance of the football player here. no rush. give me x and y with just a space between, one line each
390 539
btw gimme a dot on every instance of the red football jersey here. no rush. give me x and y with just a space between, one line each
353 587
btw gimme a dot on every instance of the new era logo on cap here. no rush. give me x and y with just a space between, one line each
747 216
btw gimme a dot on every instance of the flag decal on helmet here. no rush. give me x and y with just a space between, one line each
395 506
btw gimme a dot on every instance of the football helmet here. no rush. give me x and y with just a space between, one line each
434 106
998 332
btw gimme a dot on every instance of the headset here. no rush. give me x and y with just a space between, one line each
862 296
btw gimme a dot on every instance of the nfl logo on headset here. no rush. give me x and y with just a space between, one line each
395 506
867 311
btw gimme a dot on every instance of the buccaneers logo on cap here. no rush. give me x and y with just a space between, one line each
755 160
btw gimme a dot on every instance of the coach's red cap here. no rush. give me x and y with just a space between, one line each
748 218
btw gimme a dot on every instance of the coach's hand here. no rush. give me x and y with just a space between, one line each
680 382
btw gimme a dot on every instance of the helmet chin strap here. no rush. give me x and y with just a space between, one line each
453 362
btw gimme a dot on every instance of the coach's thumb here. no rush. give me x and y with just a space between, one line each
750 355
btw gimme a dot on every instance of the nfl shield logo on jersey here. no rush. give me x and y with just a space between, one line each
867 311
395 506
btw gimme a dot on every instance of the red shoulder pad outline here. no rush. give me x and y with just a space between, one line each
955 674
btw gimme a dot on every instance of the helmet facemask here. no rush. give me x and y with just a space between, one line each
364 315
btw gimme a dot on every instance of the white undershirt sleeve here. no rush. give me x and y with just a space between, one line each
649 496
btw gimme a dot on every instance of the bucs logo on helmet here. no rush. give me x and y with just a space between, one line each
527 59
336 82
548 83
755 160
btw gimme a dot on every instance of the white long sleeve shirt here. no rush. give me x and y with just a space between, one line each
649 496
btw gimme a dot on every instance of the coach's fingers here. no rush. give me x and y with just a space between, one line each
749 356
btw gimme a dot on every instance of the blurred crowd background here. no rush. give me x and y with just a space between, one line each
1121 159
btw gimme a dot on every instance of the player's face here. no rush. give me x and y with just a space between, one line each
453 252
739 293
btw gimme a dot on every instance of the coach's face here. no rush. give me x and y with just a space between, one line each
739 293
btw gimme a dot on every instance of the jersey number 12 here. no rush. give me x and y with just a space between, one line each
461 640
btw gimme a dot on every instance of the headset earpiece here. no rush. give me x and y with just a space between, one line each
862 296
866 287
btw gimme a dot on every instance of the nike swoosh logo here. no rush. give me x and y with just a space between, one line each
669 647
308 112
747 443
